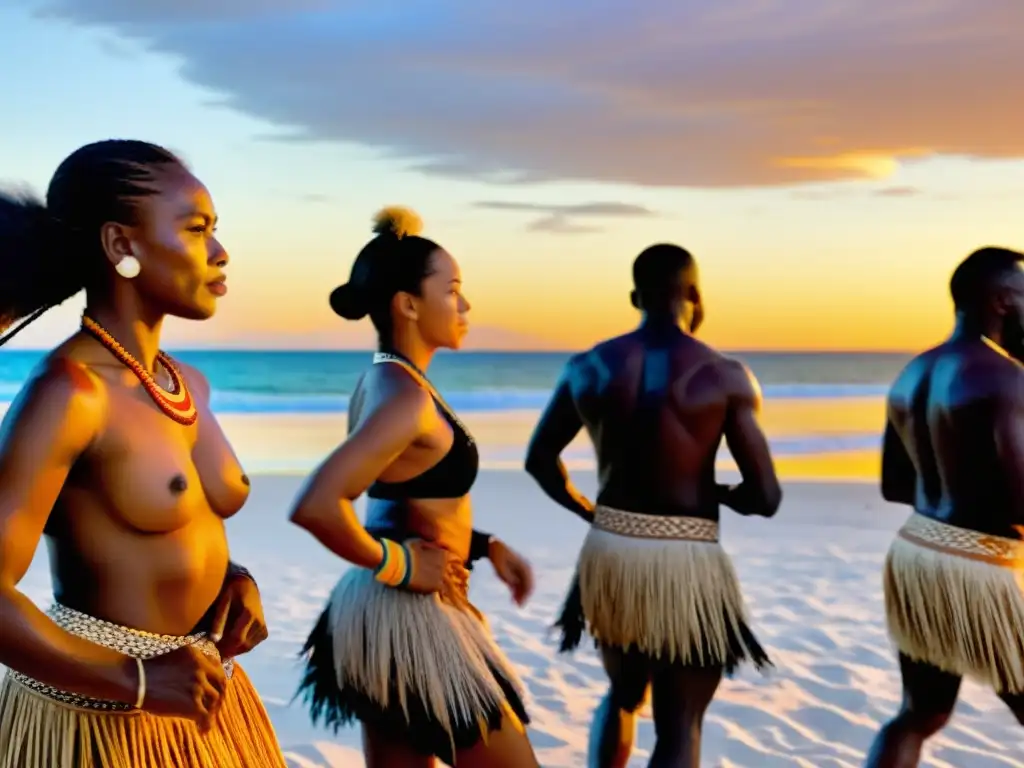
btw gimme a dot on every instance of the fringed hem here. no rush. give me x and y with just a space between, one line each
671 599
38 732
409 664
958 612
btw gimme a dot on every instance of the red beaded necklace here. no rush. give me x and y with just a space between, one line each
176 403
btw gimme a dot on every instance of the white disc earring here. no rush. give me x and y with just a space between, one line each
128 267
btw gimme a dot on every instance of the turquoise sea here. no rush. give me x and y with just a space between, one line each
821 404
320 382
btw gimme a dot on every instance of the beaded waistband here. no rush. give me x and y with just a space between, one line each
639 526
131 642
963 542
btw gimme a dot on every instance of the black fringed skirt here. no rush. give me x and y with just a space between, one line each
423 667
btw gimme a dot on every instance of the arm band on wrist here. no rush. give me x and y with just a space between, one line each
140 696
479 546
395 568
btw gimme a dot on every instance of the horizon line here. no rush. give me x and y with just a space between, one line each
524 351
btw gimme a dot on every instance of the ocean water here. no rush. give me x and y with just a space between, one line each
816 404
320 382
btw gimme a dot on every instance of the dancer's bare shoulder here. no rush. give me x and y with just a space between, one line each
389 394
915 371
704 373
996 374
395 412
739 383
62 402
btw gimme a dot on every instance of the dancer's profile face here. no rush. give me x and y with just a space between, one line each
441 307
182 262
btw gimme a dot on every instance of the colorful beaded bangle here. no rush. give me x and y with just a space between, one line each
396 565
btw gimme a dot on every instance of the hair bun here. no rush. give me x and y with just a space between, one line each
348 303
398 221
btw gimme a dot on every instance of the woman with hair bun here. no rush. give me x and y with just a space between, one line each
399 647
111 452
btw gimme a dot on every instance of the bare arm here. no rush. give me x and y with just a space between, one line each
1009 435
325 506
558 426
899 478
758 492
51 424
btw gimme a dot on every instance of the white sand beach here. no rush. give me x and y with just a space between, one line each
811 577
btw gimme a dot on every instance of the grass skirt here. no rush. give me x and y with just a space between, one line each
421 666
663 586
43 727
954 599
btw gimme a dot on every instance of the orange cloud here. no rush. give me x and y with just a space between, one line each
872 165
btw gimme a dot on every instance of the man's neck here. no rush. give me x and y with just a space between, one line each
661 326
968 328
661 321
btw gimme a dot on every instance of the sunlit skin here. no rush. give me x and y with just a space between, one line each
658 462
136 532
442 313
954 452
137 451
183 272
396 432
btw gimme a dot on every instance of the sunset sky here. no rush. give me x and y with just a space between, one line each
827 164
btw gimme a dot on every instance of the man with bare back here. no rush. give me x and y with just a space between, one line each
654 587
954 451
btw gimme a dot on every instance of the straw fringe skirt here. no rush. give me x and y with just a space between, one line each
954 599
663 586
42 727
423 667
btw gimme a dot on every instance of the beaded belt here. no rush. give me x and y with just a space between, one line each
962 542
131 642
640 526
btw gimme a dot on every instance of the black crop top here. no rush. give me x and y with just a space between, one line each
453 476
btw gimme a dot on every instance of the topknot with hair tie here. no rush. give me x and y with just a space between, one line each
398 221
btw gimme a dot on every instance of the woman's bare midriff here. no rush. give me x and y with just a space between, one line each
157 581
445 522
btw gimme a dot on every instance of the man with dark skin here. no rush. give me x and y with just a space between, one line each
656 403
954 451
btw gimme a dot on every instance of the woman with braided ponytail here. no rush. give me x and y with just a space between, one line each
399 647
111 452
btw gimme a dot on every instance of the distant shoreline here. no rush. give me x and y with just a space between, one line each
552 352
